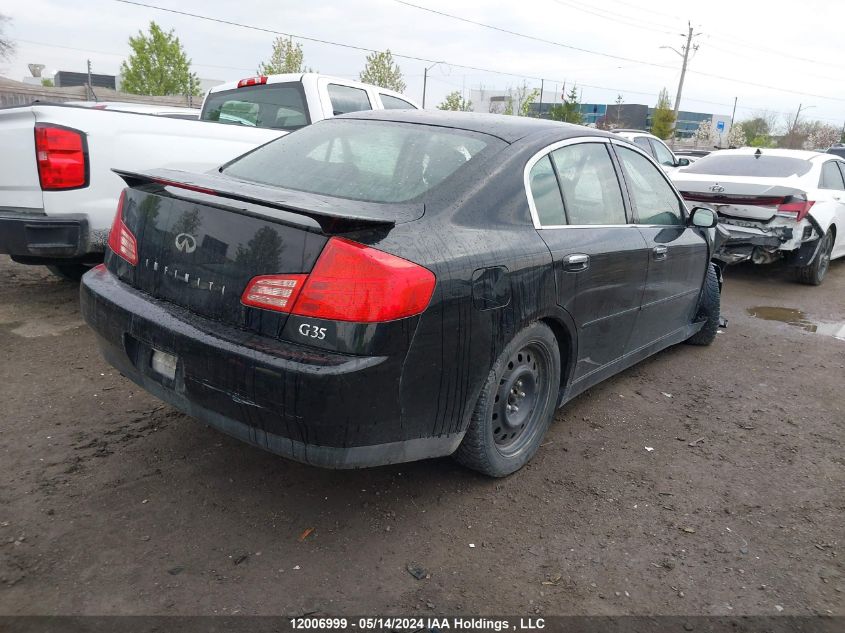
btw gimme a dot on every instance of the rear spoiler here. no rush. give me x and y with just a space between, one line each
353 215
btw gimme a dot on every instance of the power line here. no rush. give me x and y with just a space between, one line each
113 54
468 67
584 85
592 52
617 18
738 40
528 37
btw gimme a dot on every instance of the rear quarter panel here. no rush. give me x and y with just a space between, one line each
459 337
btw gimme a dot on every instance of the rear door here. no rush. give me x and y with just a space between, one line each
677 254
600 259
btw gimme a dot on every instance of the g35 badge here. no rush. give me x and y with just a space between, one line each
312 331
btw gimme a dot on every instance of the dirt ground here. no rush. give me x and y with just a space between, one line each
112 503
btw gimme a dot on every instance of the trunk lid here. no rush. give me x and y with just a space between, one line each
737 197
201 239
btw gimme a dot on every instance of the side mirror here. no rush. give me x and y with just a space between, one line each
703 218
683 162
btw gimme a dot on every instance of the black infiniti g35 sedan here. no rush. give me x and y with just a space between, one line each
391 286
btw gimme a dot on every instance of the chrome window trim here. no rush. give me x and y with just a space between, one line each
540 155
537 157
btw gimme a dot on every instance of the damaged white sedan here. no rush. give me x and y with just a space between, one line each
773 204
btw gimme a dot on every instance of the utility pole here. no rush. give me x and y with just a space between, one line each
795 124
89 95
733 114
684 53
542 85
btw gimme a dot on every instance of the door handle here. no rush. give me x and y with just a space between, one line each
576 263
660 252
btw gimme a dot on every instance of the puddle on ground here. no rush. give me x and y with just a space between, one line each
797 318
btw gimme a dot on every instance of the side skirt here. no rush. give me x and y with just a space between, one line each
628 360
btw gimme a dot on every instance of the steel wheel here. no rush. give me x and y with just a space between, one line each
523 386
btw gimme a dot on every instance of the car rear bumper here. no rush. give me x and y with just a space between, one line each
743 241
321 408
33 237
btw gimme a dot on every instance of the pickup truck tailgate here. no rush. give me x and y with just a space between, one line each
20 189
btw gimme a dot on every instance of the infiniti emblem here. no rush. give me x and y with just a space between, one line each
186 243
717 188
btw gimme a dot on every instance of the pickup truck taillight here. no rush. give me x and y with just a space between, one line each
121 240
253 81
349 282
62 157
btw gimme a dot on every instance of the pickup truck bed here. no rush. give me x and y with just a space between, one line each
70 226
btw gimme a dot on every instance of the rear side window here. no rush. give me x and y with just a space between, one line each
395 103
371 161
348 99
546 193
275 106
653 197
749 165
591 192
831 178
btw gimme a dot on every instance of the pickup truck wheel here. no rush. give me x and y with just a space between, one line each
516 405
709 309
69 272
813 274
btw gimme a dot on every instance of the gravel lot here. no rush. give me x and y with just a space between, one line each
112 503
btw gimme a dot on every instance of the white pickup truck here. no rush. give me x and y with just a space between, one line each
58 193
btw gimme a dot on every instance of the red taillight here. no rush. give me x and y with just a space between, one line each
354 282
121 240
61 156
797 209
273 292
253 81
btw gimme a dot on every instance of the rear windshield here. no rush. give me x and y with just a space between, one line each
274 106
749 165
371 161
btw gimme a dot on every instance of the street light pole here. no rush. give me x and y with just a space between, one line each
425 80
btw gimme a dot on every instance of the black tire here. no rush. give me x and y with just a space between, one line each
69 272
500 439
814 273
709 309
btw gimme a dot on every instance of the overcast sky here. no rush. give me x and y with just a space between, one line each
761 49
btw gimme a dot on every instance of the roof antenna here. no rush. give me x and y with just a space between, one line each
758 153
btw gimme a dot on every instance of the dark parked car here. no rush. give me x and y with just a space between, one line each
391 286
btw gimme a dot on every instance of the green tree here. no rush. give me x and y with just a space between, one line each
455 102
7 47
755 128
47 83
570 110
158 65
286 57
381 70
526 100
663 119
